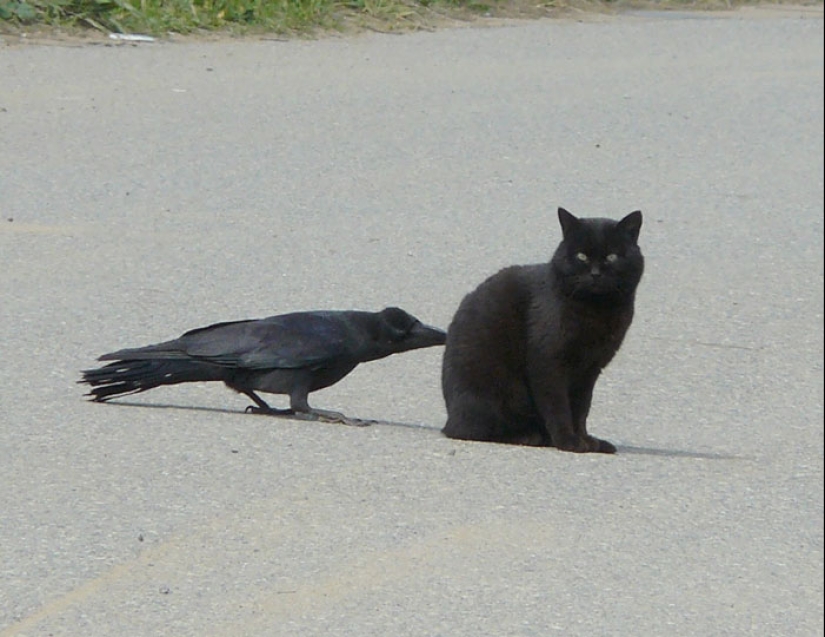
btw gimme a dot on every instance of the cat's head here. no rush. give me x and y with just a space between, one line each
599 260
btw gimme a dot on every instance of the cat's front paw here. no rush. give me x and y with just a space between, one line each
586 444
573 444
598 445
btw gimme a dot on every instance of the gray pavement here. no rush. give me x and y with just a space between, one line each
145 190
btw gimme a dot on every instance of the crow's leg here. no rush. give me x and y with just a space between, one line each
300 410
299 405
262 408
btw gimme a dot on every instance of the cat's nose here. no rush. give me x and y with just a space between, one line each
595 272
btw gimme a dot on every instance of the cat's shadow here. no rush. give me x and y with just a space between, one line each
632 450
621 449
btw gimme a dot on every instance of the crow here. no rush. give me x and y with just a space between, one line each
292 354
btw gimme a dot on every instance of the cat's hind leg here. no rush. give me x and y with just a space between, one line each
475 418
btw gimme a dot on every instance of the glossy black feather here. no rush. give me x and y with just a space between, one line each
291 354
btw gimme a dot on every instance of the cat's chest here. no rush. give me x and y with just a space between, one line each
581 334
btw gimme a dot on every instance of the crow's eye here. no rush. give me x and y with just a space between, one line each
612 258
581 256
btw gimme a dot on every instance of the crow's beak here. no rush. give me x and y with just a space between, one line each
425 336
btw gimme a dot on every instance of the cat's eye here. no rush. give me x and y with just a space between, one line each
581 256
612 258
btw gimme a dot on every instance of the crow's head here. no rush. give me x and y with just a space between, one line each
400 331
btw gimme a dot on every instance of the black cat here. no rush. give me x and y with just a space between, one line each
525 348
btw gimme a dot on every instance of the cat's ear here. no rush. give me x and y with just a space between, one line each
632 224
567 221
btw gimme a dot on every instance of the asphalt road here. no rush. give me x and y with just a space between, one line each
146 190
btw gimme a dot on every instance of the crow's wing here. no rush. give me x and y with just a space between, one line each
289 341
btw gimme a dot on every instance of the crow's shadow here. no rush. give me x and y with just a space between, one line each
235 412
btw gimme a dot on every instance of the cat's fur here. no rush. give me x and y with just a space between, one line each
525 348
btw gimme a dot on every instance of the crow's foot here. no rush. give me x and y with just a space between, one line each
321 415
314 415
268 411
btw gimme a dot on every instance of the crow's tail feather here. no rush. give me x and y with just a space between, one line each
134 376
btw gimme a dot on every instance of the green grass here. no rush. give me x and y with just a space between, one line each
159 17
162 16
